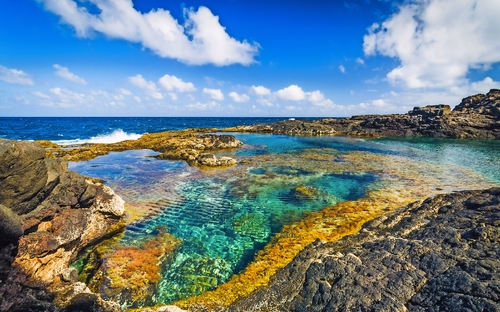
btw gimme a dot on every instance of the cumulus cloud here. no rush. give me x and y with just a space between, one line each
291 93
485 85
124 91
261 90
15 76
41 95
68 98
342 69
360 61
149 87
239 98
215 94
64 73
172 83
206 106
437 41
318 99
200 40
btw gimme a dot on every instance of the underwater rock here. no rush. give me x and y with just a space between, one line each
476 117
438 254
308 192
55 213
130 274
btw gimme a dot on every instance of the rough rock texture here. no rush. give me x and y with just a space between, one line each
189 145
47 215
476 117
439 255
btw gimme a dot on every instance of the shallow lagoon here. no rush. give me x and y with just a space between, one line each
229 225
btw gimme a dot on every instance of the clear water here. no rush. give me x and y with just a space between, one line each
224 217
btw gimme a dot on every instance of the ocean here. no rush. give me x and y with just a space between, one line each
227 230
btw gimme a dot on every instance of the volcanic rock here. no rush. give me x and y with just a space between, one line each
438 255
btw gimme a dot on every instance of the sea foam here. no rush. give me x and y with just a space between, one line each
113 137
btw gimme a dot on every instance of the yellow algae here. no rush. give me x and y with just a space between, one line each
402 181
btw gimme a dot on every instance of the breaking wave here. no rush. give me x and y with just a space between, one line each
113 137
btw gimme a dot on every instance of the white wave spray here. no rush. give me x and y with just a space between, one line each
116 136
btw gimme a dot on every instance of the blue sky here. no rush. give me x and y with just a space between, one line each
243 58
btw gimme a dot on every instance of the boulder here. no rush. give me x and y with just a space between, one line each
47 215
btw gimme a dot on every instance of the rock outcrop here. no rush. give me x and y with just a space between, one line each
47 215
439 255
189 145
476 117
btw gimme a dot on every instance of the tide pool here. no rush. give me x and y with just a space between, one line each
216 225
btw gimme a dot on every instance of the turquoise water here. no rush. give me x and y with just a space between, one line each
224 217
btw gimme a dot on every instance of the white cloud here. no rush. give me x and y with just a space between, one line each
137 99
15 76
207 106
484 86
201 40
342 69
125 91
68 98
291 93
261 90
41 95
173 96
172 83
265 102
215 94
360 61
64 73
437 41
149 87
318 99
239 98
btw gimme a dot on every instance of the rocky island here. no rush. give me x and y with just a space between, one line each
437 254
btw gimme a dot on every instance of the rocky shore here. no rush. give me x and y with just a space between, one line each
47 215
476 117
438 255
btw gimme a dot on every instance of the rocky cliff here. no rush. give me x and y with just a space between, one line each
439 255
47 215
476 117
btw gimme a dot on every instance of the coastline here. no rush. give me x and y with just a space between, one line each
185 145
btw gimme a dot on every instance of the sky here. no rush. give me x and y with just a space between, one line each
283 58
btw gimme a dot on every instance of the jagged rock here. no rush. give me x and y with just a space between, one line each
439 255
476 117
59 212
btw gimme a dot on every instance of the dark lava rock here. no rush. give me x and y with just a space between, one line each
476 117
439 255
